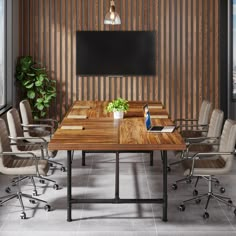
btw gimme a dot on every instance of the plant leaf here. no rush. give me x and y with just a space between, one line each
38 83
40 106
31 94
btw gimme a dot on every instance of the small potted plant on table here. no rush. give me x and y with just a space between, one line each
118 107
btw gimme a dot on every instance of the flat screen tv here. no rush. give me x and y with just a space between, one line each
118 53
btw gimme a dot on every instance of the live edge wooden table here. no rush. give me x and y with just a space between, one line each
87 126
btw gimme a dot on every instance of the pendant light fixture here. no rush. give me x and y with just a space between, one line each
112 17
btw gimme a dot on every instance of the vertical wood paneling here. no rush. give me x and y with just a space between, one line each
187 50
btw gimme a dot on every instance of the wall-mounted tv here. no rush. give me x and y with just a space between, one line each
118 53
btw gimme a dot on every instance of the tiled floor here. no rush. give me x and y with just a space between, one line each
137 179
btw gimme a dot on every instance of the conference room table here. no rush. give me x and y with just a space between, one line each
88 126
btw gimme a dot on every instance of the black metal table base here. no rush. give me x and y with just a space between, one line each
86 151
116 199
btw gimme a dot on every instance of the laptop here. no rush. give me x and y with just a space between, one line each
150 128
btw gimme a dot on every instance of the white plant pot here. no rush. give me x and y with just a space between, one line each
118 114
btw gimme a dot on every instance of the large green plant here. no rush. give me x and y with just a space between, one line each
38 88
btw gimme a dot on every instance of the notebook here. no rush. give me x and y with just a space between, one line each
150 128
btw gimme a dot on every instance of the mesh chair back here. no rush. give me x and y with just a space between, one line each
204 113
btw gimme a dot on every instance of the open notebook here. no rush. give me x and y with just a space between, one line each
150 128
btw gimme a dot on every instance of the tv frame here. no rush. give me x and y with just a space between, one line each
118 74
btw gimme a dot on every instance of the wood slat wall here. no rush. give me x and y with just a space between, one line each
187 53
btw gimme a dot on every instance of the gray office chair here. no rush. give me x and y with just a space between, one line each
36 128
209 164
195 127
19 164
22 144
202 144
17 136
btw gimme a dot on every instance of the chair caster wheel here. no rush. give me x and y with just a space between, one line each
235 211
63 169
7 190
197 201
35 193
47 208
217 183
56 186
230 202
23 215
222 189
32 201
206 215
42 181
195 192
50 164
174 186
168 169
188 181
182 207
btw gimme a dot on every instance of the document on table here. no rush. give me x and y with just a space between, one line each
70 116
79 127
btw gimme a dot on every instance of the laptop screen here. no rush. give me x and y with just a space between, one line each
148 120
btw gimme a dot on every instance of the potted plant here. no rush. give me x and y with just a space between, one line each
38 88
118 107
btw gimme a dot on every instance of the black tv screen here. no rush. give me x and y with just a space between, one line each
115 53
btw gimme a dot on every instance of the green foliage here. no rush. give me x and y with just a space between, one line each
38 88
119 104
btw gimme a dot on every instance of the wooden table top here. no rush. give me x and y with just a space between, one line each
101 132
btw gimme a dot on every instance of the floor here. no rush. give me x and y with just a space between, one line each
137 179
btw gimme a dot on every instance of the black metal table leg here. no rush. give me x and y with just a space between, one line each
151 158
69 160
83 158
165 197
117 178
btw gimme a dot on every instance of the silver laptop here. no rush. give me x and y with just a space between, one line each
160 129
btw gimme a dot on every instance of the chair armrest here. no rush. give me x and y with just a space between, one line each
37 125
26 138
185 120
33 156
203 155
18 153
201 139
185 125
53 121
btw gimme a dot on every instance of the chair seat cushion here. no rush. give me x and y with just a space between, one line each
36 150
191 133
205 167
39 132
46 138
25 166
201 147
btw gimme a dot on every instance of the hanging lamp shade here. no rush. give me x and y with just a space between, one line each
112 17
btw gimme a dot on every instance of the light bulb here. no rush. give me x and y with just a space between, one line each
112 16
